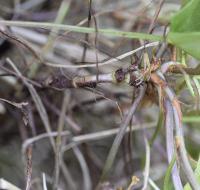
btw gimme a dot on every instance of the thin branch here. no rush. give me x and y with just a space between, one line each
70 181
147 164
38 102
21 42
87 137
12 73
15 104
117 141
75 127
131 75
29 168
59 139
84 168
32 140
62 82
87 35
151 27
107 133
110 61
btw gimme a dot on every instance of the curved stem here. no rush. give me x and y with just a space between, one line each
159 79
170 144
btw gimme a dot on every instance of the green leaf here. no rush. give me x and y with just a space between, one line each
185 29
197 174
81 29
197 170
187 19
189 42
157 130
184 2
167 179
191 119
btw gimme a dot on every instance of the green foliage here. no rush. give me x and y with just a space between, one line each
185 29
197 174
167 180
190 42
184 2
187 19
157 130
80 29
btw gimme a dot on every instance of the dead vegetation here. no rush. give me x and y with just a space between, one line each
95 109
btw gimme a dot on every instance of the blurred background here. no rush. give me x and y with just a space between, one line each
91 115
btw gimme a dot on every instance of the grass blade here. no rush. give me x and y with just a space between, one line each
109 32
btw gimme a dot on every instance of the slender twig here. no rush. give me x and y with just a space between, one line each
61 82
42 39
17 105
34 83
87 137
107 133
32 140
95 41
147 164
87 35
84 168
130 75
120 134
59 139
68 119
29 168
21 42
160 4
110 61
71 182
38 102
